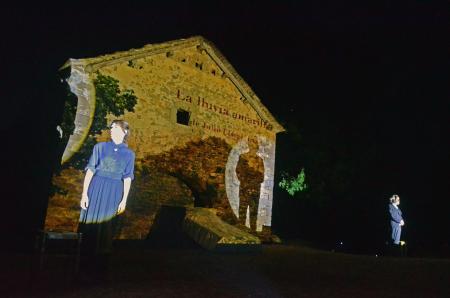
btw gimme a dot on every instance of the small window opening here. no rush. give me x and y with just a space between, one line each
183 117
199 65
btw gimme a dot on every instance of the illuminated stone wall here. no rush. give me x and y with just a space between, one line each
176 164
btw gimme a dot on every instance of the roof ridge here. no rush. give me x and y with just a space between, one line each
92 64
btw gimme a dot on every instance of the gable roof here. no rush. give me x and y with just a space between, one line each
81 67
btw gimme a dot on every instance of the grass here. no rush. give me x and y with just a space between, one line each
287 270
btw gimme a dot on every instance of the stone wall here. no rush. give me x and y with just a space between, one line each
187 80
180 164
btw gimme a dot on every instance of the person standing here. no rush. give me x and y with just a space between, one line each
250 172
105 192
396 219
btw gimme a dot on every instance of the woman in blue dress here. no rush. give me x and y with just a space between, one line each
105 190
396 219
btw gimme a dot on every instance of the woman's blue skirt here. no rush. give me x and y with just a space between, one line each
104 196
96 222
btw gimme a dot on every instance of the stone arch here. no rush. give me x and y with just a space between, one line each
198 188
200 165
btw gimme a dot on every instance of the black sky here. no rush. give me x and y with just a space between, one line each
367 84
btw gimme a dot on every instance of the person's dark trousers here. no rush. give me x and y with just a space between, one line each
97 249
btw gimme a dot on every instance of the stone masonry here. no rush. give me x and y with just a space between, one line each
194 162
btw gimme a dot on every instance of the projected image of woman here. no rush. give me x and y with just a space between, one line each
105 191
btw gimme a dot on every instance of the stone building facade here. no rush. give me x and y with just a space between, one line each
193 119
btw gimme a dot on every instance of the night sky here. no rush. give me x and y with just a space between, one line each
361 90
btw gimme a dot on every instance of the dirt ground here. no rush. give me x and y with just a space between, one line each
286 270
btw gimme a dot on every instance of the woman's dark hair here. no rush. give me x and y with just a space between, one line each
125 128
393 199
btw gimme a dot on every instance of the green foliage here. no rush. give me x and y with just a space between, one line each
109 100
293 184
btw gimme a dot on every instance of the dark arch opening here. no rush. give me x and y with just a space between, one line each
202 192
